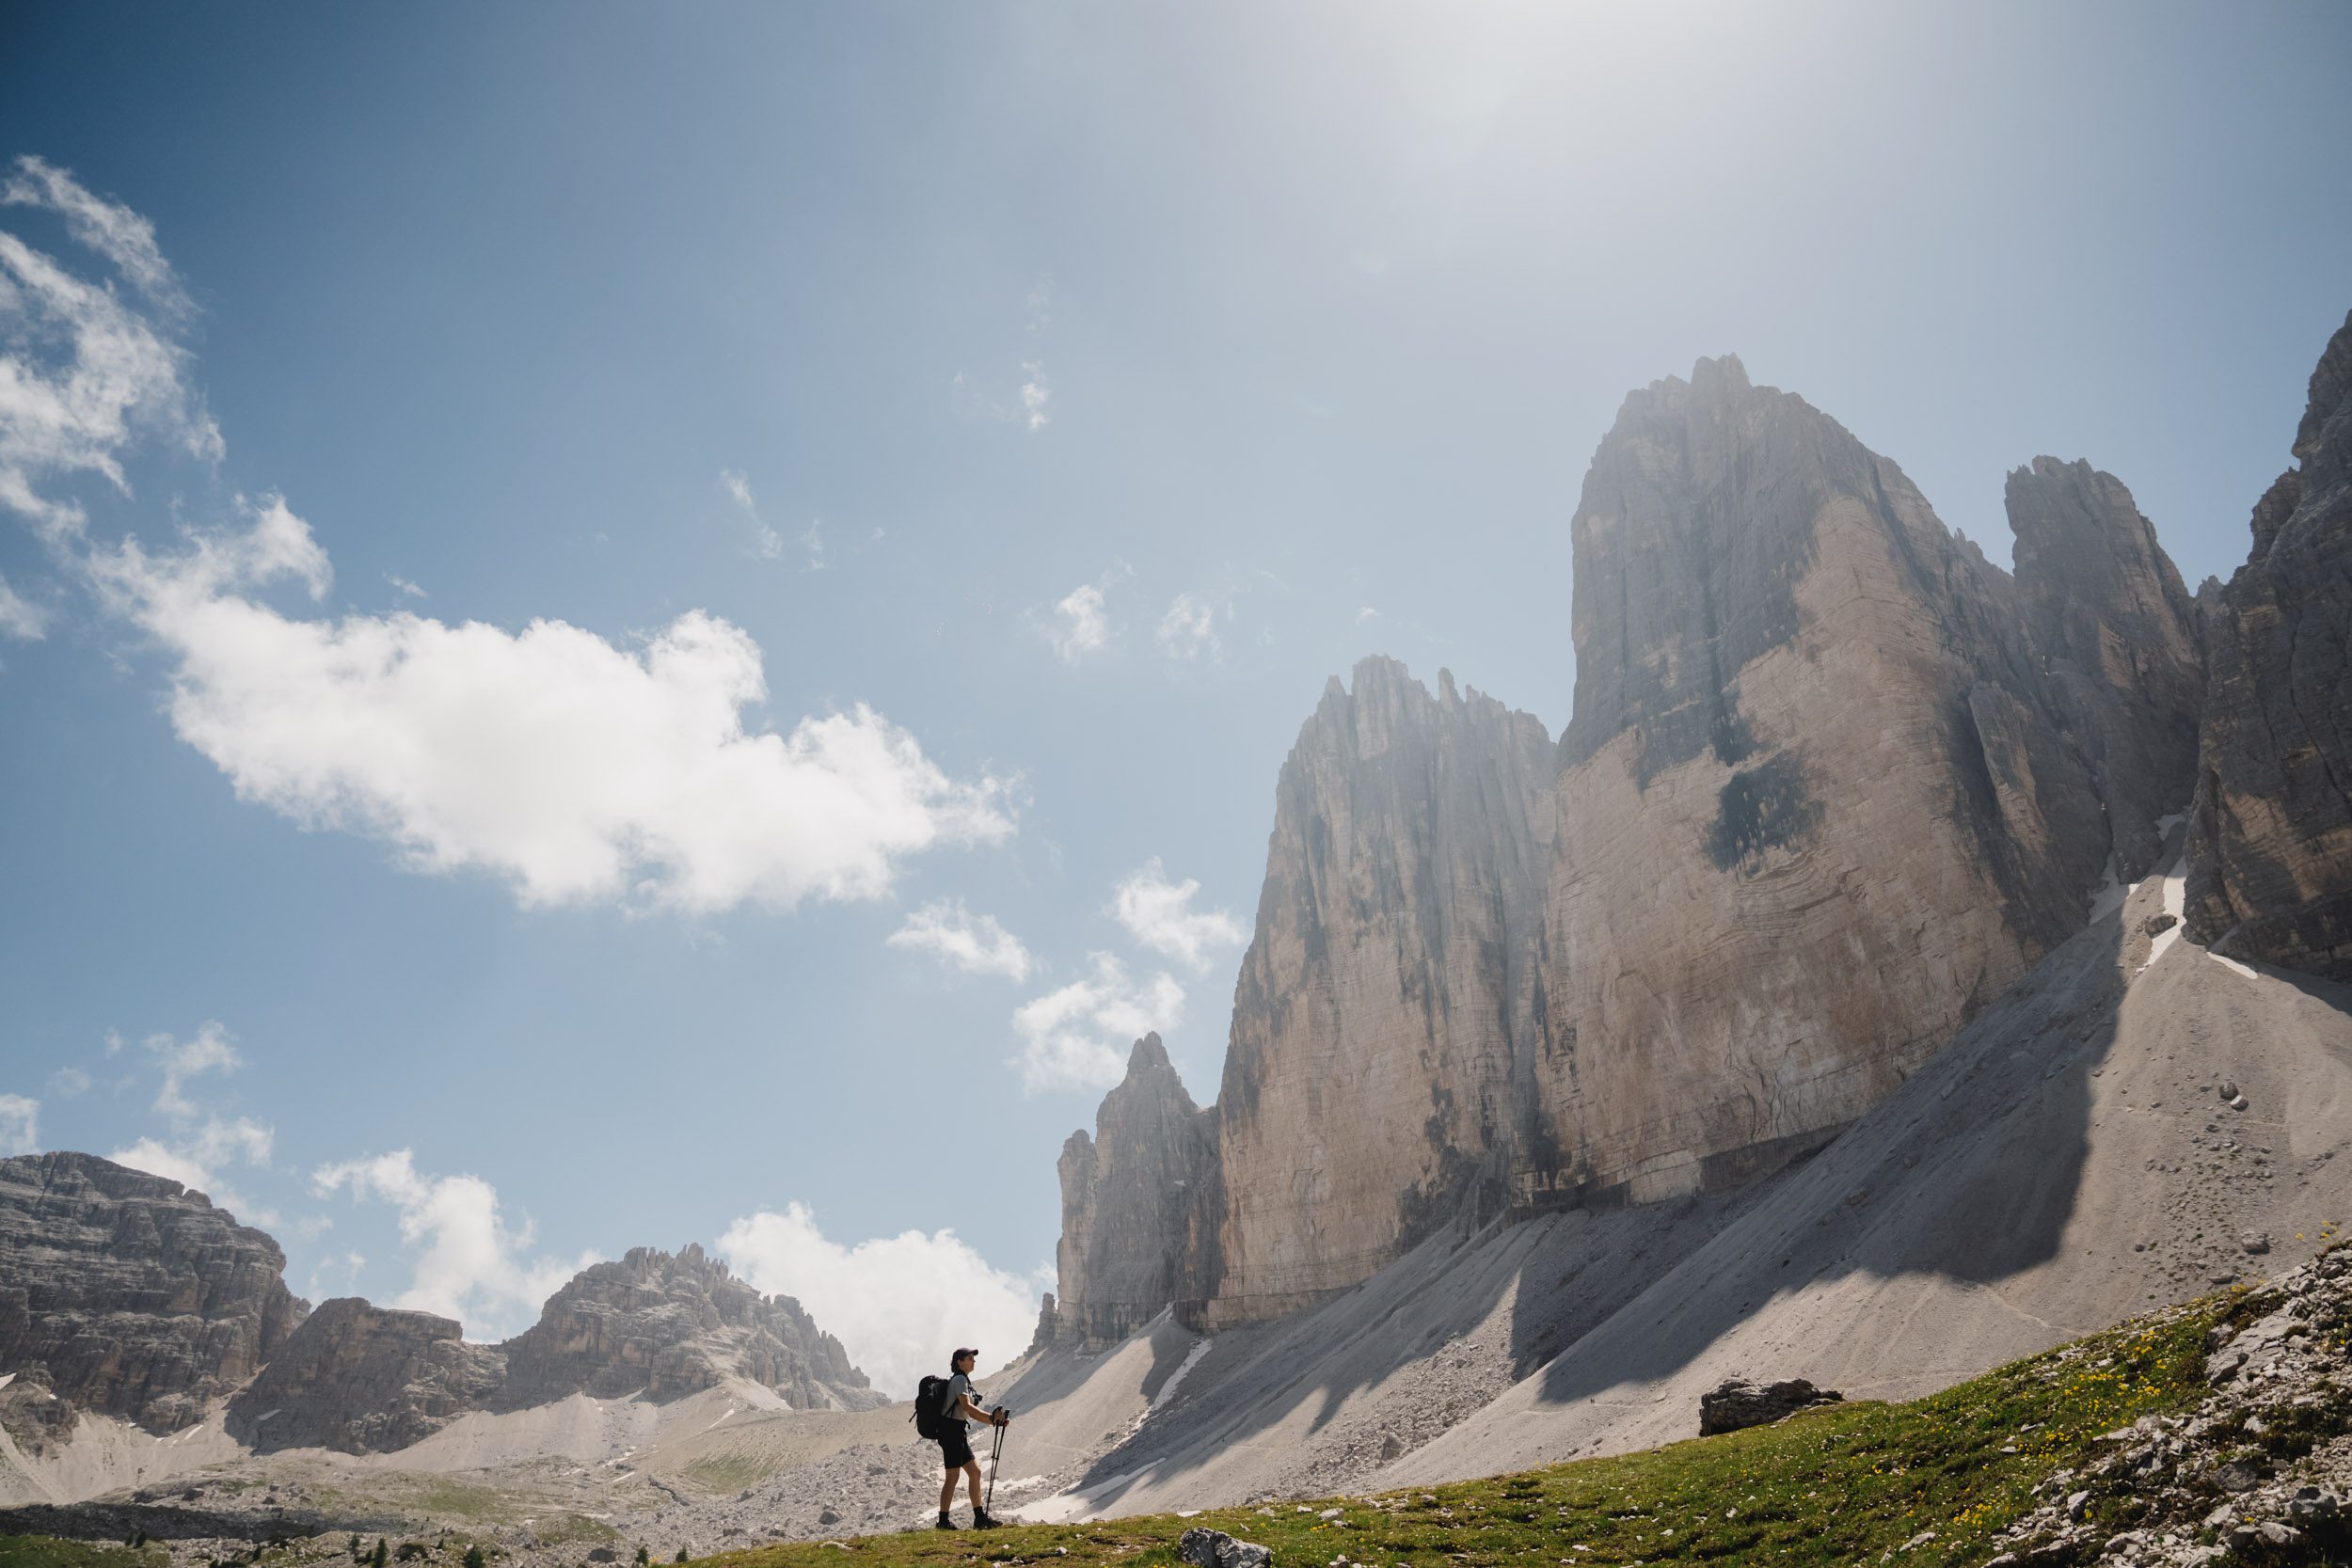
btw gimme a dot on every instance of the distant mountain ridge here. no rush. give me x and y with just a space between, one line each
1833 783
129 1295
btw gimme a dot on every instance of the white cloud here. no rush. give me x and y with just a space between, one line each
153 1157
767 543
1366 614
404 586
83 373
470 1264
897 1304
977 945
337 1275
1188 629
1158 913
210 1051
741 489
112 229
1080 622
198 1144
1077 1038
20 617
574 770
67 1082
197 1156
19 1124
1037 395
1085 628
814 543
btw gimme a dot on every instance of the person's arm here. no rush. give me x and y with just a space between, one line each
966 1407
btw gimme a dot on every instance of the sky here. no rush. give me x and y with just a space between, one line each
665 624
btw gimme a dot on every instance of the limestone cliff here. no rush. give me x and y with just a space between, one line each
662 1327
1368 1085
131 1295
2270 845
1833 780
1128 1195
2114 640
363 1379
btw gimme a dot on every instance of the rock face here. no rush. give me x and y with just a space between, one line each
2115 639
134 1296
1369 1086
1128 1195
363 1379
664 1326
2270 845
126 1294
1833 780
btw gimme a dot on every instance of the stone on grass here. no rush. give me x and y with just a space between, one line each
1737 1403
1214 1548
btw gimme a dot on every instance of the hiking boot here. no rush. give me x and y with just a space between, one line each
983 1519
945 1523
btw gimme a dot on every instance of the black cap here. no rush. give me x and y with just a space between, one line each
966 1351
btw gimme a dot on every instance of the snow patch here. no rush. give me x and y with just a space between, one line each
2232 964
2175 905
2109 894
1192 1359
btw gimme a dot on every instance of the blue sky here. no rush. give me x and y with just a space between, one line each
1038 401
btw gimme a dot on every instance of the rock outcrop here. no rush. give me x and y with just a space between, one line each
130 1294
2262 1467
662 1327
1736 1405
1833 780
364 1379
1368 1087
2270 847
2113 638
1833 783
1128 1195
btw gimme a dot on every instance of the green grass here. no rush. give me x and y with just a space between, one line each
41 1551
1841 1484
729 1472
457 1499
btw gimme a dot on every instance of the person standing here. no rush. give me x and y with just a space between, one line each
955 1441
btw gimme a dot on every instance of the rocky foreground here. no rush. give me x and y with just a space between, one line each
2261 1468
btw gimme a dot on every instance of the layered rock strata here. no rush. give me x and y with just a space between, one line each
1128 1195
125 1294
2270 847
660 1327
130 1294
1368 1087
364 1379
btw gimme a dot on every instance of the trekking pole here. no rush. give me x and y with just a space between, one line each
995 1452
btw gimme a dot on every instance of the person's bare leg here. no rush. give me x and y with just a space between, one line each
947 1493
972 1479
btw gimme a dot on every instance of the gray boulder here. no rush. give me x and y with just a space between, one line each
1737 1403
1214 1548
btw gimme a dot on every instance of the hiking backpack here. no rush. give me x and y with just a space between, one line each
930 1403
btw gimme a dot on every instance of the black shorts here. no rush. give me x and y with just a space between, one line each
955 1446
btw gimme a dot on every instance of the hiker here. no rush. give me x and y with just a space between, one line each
957 1411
